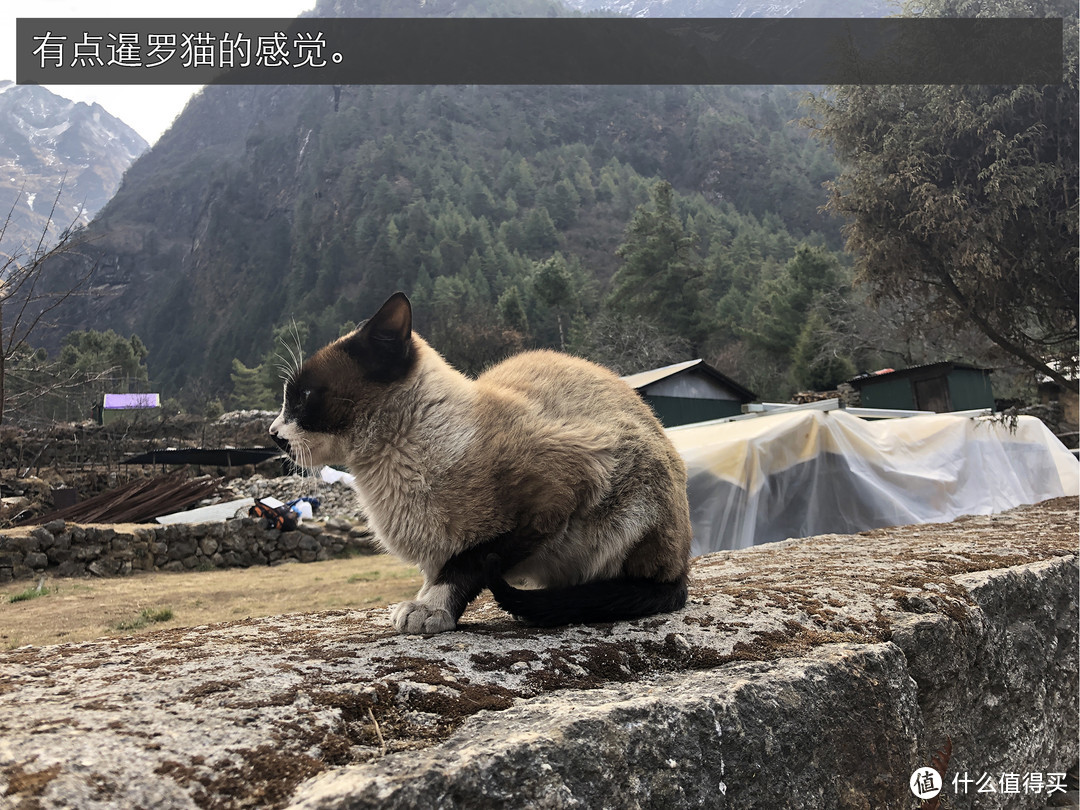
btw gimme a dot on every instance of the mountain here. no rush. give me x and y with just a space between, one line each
51 145
268 206
738 8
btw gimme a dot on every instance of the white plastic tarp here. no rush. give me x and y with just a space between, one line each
811 472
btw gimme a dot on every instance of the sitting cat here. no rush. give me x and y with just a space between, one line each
546 479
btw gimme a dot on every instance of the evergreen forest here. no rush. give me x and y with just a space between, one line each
553 217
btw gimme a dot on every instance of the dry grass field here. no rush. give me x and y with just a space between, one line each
66 610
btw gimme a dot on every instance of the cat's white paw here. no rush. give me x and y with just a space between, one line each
417 617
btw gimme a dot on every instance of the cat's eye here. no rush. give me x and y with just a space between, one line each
299 398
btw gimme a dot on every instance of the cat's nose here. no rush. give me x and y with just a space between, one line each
277 439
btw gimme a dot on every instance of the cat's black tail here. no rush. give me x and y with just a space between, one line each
607 600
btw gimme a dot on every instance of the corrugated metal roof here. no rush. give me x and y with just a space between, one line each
215 457
943 365
641 379
647 378
119 402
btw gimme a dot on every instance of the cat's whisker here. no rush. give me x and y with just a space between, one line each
290 362
285 368
303 458
297 351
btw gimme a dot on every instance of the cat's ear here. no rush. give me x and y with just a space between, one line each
383 346
393 321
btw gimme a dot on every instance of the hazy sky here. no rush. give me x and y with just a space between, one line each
149 110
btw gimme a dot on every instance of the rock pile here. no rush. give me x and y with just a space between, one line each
336 500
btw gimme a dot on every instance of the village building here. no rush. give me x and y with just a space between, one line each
120 406
688 392
939 387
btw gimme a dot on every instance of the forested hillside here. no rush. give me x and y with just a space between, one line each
635 225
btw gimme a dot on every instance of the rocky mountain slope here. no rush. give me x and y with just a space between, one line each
51 145
268 204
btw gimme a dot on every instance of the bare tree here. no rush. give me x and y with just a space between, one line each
24 305
628 344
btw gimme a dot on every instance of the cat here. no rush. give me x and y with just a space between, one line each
546 479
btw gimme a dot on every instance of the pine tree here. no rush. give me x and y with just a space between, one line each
661 272
512 310
250 390
786 301
817 364
553 286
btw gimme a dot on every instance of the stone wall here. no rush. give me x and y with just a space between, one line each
65 550
817 674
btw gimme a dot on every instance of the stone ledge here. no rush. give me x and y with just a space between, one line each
816 673
843 714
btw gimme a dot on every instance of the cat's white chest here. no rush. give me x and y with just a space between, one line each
405 520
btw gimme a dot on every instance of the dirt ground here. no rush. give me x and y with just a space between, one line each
80 609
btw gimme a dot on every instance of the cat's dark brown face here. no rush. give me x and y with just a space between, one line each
341 384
